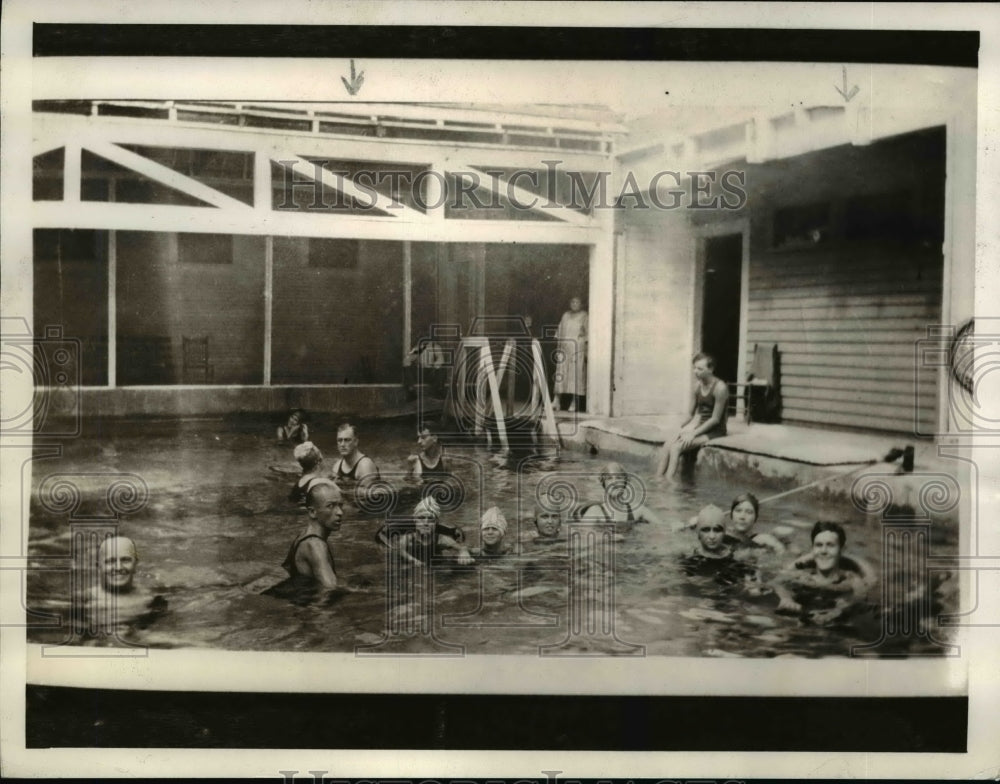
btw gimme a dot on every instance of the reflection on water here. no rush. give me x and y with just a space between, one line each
218 524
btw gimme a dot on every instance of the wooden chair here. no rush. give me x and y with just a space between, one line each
195 366
761 392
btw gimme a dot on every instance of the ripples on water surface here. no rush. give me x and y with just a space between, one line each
217 525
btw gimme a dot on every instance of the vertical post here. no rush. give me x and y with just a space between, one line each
261 181
268 305
407 297
72 173
600 318
958 248
741 358
112 307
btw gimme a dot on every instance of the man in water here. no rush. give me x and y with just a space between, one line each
309 559
354 471
116 599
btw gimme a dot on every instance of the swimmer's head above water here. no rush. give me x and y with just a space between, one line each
711 528
325 504
548 516
615 480
425 516
308 455
117 560
828 540
493 527
347 439
743 512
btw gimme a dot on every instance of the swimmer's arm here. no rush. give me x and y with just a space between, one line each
317 555
464 556
305 432
782 589
647 515
771 542
865 570
367 472
401 545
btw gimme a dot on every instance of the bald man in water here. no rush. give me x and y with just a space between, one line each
116 598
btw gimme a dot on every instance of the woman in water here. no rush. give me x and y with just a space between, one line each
743 514
821 587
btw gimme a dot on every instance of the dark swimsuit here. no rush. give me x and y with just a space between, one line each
431 473
289 562
705 406
300 491
581 510
350 475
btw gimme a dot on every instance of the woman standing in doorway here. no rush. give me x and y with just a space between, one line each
571 365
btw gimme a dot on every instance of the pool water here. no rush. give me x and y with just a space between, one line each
216 524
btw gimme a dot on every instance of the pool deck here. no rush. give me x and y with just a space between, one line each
778 458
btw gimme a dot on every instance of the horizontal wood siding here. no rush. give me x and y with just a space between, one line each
847 321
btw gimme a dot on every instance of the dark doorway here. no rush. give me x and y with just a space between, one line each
720 320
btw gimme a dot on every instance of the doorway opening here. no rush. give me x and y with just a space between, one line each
720 322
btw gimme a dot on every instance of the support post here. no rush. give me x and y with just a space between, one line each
268 305
112 307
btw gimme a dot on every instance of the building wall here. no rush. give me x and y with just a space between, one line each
847 310
162 298
654 313
337 326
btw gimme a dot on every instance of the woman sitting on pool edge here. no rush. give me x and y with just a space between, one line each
821 581
708 417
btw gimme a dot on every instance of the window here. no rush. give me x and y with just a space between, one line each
205 248
333 254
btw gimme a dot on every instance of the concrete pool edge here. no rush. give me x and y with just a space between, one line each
779 458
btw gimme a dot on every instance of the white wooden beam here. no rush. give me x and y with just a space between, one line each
315 172
159 133
174 218
504 187
164 175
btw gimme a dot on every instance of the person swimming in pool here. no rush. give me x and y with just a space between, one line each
116 598
427 539
310 558
492 534
295 429
354 472
740 536
427 464
548 517
822 590
617 506
711 530
311 460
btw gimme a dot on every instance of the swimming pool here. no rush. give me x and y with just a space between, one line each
217 524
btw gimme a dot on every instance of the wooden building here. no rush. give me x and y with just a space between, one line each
213 256
842 235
